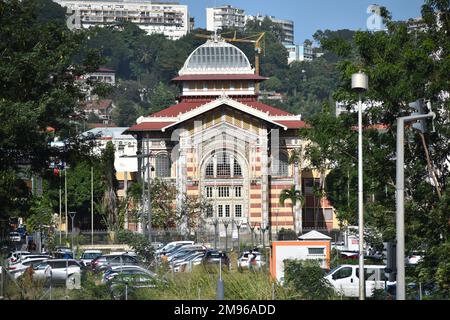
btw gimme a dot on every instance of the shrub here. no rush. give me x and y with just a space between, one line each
287 234
306 278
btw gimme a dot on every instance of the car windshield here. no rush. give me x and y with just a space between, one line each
90 255
332 270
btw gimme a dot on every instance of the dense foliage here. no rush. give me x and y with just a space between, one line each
403 65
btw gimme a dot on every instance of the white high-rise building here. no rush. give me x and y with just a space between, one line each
168 18
224 17
299 53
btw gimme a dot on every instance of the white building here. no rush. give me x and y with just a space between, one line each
286 25
224 17
125 145
168 18
299 53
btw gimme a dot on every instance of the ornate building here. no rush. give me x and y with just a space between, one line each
220 143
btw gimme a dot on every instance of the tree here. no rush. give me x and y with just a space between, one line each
160 98
109 205
293 196
38 91
307 279
193 212
273 84
403 65
125 113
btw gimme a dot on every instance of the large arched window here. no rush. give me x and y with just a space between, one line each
223 165
162 164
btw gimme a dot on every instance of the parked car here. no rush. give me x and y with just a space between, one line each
345 279
15 237
103 262
170 245
185 250
244 261
124 284
172 250
16 255
17 269
112 272
414 258
214 257
88 255
188 263
60 269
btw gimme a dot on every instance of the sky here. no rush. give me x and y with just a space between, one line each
311 15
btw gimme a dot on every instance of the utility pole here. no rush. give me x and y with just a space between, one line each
65 198
92 205
149 213
400 198
60 209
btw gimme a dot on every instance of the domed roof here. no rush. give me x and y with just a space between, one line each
217 57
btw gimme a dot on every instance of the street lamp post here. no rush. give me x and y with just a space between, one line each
215 223
400 205
252 229
238 227
226 223
72 217
360 84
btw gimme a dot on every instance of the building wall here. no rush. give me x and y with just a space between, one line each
224 17
169 19
197 142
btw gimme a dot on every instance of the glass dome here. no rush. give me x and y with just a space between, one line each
216 58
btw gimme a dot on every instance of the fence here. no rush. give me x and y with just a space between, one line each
246 239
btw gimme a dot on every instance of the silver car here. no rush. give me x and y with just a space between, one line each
103 262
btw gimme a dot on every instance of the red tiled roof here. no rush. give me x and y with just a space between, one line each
293 124
148 126
97 104
176 109
266 108
219 77
183 107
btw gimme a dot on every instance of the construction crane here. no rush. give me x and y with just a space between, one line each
258 39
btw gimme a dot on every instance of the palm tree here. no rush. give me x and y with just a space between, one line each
294 196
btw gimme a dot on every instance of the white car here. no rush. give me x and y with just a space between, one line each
414 258
244 260
184 266
16 255
58 270
345 279
18 269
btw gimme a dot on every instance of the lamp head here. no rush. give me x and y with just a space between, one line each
360 82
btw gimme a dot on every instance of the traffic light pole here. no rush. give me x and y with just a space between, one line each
400 197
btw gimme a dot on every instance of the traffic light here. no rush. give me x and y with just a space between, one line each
419 108
390 249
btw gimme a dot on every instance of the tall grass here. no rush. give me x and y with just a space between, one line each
202 285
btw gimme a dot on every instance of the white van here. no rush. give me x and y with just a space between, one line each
345 279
